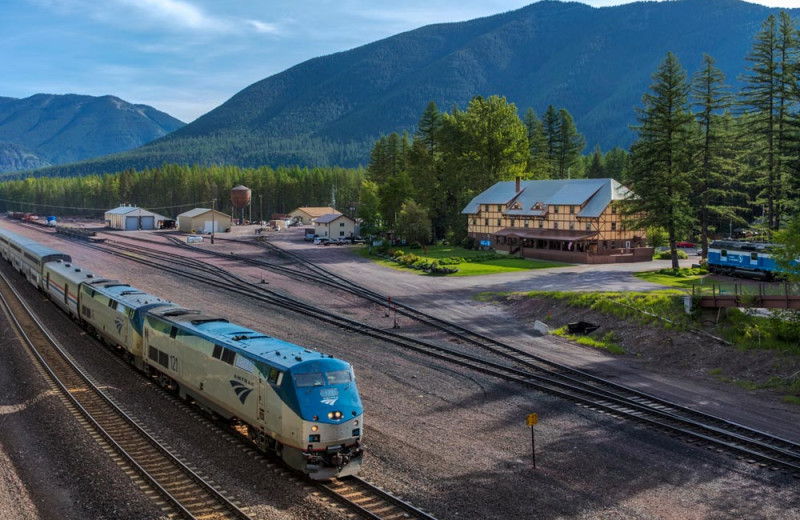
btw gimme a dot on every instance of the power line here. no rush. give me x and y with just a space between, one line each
36 204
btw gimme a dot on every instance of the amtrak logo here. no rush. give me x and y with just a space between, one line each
329 396
241 390
118 323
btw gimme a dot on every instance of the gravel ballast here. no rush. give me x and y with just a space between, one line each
452 441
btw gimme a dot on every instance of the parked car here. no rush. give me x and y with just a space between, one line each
684 244
356 240
310 237
320 241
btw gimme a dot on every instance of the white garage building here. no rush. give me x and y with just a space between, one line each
200 220
131 218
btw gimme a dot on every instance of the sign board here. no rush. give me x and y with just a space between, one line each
486 243
533 419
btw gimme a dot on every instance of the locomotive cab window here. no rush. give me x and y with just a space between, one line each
754 256
723 253
338 377
306 380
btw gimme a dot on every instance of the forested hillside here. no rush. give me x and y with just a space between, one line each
595 63
49 129
173 189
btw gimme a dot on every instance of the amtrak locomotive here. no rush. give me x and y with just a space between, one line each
298 403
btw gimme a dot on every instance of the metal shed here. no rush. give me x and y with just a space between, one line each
202 220
131 218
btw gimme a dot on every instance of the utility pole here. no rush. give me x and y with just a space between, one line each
213 224
260 211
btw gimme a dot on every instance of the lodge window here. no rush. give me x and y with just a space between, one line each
499 222
588 226
527 224
572 226
541 224
474 221
486 222
555 225
572 210
613 209
499 207
555 209
341 224
613 226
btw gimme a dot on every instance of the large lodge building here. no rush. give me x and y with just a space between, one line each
576 221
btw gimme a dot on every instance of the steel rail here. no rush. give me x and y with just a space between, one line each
775 455
97 403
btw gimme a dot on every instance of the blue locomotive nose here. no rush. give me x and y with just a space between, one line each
325 391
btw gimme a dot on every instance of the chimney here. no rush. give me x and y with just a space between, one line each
517 183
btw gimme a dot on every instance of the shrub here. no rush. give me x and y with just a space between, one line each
666 255
468 243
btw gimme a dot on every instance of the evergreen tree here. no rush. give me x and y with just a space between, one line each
570 144
712 177
596 170
660 174
768 101
551 123
539 165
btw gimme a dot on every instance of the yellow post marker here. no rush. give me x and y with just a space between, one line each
532 420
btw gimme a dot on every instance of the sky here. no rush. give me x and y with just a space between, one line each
186 57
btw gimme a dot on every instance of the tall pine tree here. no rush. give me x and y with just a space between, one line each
660 173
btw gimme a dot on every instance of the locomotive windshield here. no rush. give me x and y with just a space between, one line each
335 377
309 379
338 377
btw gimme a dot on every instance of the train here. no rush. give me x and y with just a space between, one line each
739 258
300 404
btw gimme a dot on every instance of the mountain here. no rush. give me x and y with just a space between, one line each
55 129
595 62
17 158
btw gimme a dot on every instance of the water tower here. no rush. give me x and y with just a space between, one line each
240 198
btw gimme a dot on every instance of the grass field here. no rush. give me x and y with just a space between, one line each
474 263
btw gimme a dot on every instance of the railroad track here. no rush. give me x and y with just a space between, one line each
518 366
371 501
353 493
185 493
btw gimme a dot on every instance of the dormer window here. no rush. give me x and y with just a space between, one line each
516 205
538 206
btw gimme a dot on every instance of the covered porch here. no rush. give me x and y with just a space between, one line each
564 246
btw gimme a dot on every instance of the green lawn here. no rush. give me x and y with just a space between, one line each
475 262
683 278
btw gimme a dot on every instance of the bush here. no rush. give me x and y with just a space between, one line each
666 255
415 245
468 243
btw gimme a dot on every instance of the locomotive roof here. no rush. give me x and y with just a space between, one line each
122 292
15 237
276 352
72 272
43 252
739 244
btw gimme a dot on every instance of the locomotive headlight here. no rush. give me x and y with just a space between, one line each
335 415
330 415
338 415
314 428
